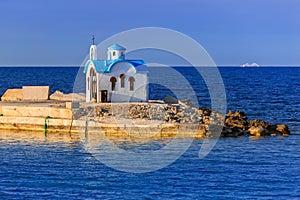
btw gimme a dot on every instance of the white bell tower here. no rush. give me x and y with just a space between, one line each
93 50
116 52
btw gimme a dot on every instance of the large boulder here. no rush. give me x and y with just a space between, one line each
236 120
259 127
283 129
258 131
170 100
258 122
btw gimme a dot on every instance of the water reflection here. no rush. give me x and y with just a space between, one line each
10 136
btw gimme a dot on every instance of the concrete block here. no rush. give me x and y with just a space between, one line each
36 92
25 111
12 95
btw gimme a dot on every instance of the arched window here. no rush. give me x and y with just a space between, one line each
131 83
113 81
114 53
122 77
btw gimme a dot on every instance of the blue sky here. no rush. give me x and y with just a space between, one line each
56 32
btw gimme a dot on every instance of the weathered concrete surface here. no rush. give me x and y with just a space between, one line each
12 95
25 111
109 130
35 92
146 131
36 124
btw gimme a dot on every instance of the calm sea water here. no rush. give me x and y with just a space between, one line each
56 167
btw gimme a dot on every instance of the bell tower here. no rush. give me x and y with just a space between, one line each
93 50
116 52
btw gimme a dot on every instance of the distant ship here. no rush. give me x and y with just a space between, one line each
250 65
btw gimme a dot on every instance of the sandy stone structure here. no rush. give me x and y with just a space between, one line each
31 93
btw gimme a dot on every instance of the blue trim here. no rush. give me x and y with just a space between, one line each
100 66
104 66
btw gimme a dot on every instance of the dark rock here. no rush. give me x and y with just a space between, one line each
170 100
214 131
205 111
261 128
187 102
237 119
258 122
258 131
232 132
283 129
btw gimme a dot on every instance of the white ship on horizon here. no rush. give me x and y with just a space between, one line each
250 65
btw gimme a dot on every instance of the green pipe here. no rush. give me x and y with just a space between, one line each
1 115
45 125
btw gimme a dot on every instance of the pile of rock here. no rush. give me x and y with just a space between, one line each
232 124
183 112
92 112
261 128
141 111
173 113
236 124
102 111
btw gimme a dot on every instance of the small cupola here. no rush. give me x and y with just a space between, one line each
115 52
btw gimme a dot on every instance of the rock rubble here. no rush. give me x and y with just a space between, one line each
233 124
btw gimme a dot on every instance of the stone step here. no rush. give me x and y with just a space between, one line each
29 111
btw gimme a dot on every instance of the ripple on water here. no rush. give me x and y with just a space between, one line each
58 167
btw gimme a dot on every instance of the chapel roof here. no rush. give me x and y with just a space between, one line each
116 47
104 66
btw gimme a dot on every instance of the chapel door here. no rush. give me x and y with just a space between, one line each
103 96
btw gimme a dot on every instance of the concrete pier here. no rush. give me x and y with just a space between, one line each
31 116
153 119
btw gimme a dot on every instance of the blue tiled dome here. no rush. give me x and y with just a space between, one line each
116 47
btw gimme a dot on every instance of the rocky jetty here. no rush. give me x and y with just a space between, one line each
233 124
30 108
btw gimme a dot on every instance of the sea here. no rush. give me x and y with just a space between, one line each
60 166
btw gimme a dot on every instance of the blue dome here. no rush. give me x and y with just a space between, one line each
116 47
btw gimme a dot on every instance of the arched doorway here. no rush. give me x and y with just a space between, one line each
93 88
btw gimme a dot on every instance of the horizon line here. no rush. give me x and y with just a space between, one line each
47 65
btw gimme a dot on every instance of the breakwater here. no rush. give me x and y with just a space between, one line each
156 119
